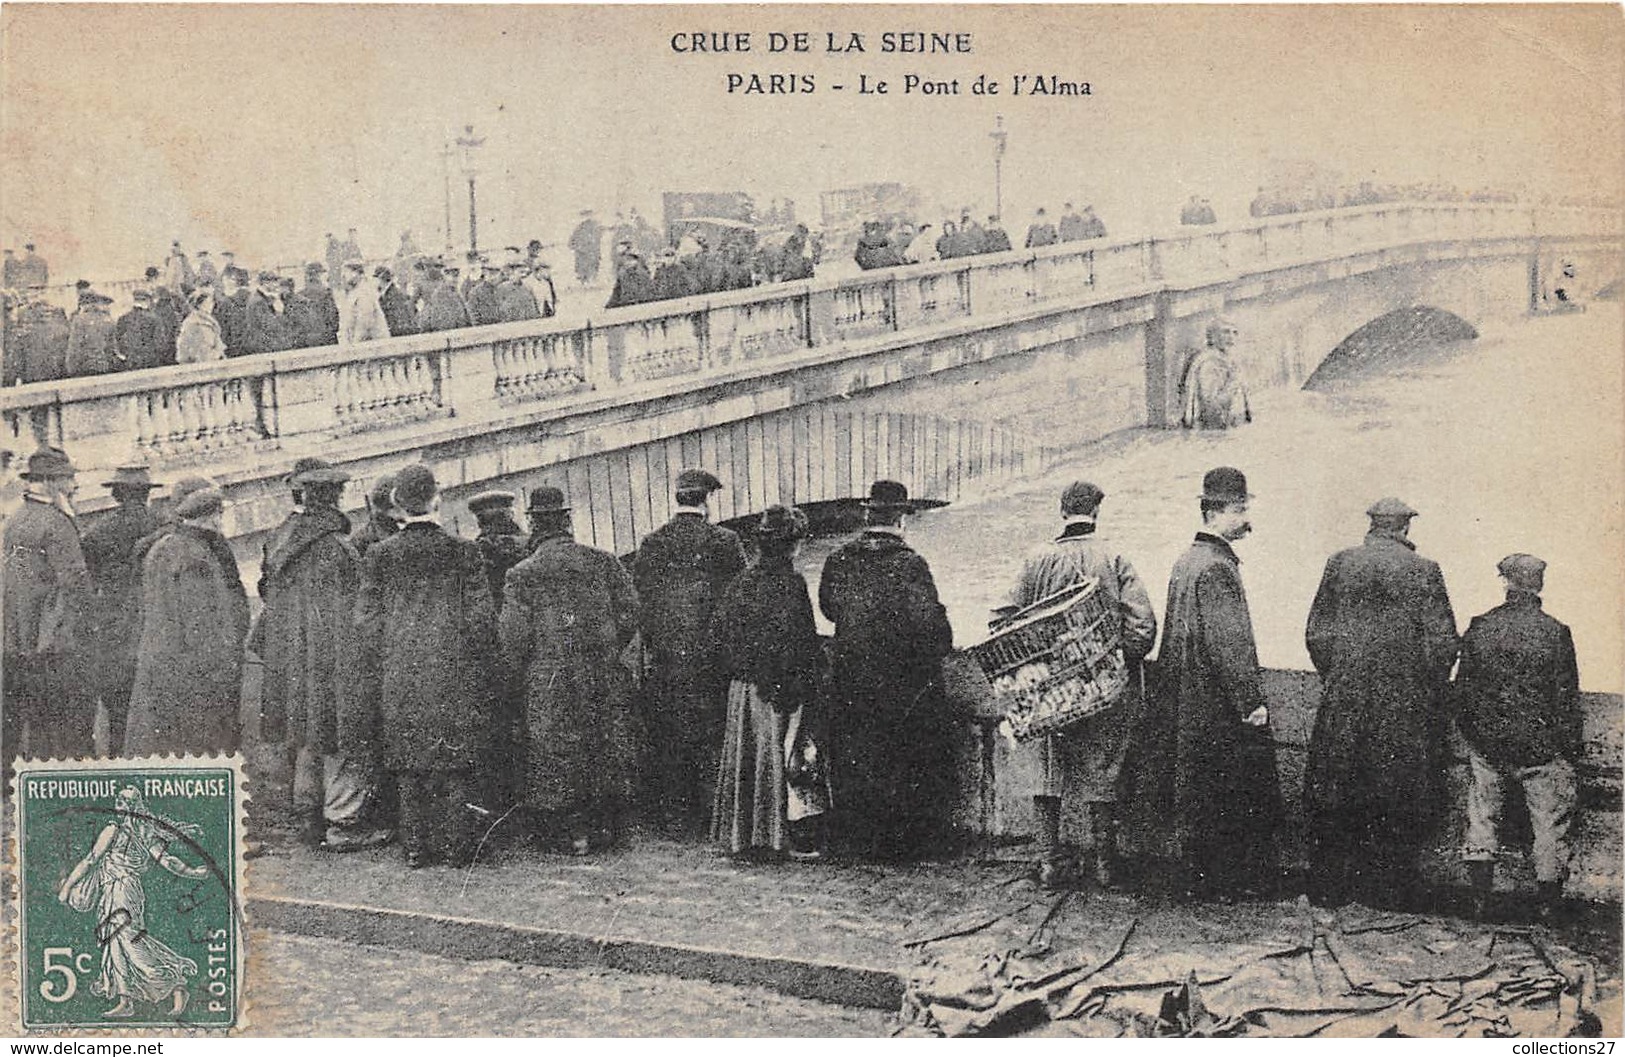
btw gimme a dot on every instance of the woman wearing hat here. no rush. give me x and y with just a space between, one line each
767 644
200 339
194 617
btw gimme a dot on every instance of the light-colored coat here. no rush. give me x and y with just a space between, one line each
200 339
361 317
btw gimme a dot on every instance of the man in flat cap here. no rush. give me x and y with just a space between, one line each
47 600
187 689
1085 761
1206 758
115 578
569 614
1214 395
429 646
501 541
1382 636
1517 704
681 570
310 578
891 738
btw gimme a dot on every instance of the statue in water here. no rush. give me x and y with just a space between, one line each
1214 394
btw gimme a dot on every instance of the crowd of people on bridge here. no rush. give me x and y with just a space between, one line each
452 692
198 312
731 258
893 243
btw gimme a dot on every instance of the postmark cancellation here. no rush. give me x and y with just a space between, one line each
129 893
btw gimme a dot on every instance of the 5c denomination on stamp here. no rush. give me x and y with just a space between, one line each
130 892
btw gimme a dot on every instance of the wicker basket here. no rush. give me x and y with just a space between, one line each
1056 662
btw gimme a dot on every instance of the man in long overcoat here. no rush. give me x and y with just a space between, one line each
310 578
587 244
194 616
317 323
1085 761
569 612
92 339
140 334
46 598
1206 759
681 571
266 326
892 759
42 339
428 632
442 307
502 545
399 312
383 519
1383 637
115 578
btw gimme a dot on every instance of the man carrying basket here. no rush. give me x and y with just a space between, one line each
1085 760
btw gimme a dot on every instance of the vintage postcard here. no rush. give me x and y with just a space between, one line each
809 520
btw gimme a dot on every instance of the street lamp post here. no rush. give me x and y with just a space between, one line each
445 172
469 146
999 136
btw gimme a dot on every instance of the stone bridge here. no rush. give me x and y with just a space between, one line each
953 376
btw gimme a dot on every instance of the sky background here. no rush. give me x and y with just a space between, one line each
260 128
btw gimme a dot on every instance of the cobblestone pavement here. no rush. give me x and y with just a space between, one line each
303 986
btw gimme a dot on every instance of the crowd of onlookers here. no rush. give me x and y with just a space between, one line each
888 244
709 259
196 310
1277 200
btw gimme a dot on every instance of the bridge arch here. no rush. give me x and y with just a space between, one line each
1393 339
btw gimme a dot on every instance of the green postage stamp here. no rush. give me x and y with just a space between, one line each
130 908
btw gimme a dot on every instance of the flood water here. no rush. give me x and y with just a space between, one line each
1510 442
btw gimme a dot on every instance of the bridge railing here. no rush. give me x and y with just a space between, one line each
316 398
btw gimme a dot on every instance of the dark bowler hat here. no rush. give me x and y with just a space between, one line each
888 495
1225 484
1081 497
697 481
1523 570
546 500
781 522
1388 506
48 463
415 489
131 477
495 500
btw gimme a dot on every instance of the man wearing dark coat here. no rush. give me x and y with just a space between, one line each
115 580
1206 757
266 327
1085 761
515 303
501 541
442 307
429 647
1041 232
1382 636
194 616
46 608
317 319
484 308
41 343
1517 704
633 284
399 311
309 579
587 243
569 614
92 338
890 732
230 305
994 236
502 545
140 334
382 520
681 571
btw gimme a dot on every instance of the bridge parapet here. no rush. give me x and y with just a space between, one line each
320 399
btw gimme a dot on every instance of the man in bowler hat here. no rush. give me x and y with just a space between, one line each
1517 704
681 572
1382 636
47 599
890 734
1085 761
115 578
1209 761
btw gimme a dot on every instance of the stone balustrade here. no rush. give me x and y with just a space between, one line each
314 398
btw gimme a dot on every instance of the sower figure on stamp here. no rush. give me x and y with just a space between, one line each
892 756
681 572
1205 758
428 638
194 617
135 963
569 613
47 598
309 579
1383 638
1517 703
1086 761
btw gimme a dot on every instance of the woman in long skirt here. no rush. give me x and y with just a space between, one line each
768 644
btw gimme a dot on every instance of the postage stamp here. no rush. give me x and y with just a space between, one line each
129 893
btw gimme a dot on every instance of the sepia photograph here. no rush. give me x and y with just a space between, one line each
812 520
